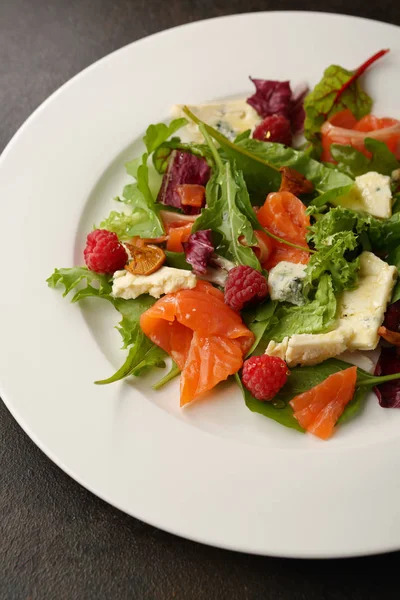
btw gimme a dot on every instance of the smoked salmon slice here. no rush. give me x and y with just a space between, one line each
284 215
318 409
205 337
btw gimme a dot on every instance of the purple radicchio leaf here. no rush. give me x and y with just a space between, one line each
183 168
276 98
388 393
198 249
392 317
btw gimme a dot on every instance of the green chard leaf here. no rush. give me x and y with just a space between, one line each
225 192
339 89
143 354
354 163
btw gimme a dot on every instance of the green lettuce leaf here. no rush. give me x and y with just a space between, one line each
316 316
225 192
355 163
95 284
379 235
331 258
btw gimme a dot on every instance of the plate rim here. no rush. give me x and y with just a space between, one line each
9 403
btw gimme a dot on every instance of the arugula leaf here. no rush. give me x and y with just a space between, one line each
339 89
222 214
142 354
282 414
354 163
173 372
316 316
331 259
131 311
157 134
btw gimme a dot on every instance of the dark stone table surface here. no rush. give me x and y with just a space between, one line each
57 540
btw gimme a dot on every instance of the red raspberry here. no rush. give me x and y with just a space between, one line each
244 286
275 128
103 252
264 376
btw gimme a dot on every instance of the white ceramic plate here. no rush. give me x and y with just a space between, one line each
214 472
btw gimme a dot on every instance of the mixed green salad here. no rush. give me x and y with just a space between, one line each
259 239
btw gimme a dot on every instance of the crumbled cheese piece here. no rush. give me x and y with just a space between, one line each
363 309
230 118
361 314
285 282
372 194
163 281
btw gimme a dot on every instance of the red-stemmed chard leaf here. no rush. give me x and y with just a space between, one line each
183 168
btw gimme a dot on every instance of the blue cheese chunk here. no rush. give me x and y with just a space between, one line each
163 281
230 118
310 349
361 313
285 282
363 309
372 194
